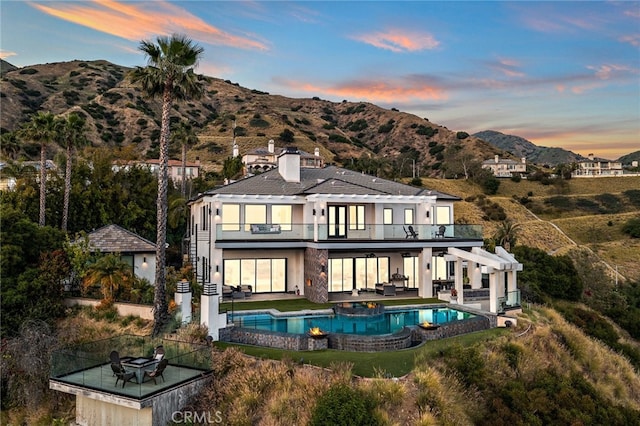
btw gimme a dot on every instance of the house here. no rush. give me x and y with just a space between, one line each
134 250
263 159
174 170
8 175
324 231
504 167
594 167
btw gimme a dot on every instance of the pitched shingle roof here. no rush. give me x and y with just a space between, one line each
114 239
328 180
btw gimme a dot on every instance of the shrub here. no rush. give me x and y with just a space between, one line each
462 135
358 125
633 195
386 128
632 227
29 71
610 203
516 178
342 405
287 136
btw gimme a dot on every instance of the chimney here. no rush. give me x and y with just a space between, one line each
496 158
236 151
316 152
524 160
289 164
590 156
271 146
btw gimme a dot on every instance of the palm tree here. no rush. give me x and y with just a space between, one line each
71 136
169 74
111 273
183 134
42 129
10 145
507 234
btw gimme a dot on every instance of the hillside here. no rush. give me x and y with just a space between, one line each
586 215
521 147
118 116
627 159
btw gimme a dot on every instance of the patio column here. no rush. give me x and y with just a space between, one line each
493 292
425 285
183 300
459 282
475 275
209 311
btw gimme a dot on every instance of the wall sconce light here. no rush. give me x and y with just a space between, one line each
323 269
477 265
144 259
428 266
217 268
428 213
217 212
322 212
314 212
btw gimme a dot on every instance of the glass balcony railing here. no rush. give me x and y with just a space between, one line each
89 365
511 299
324 231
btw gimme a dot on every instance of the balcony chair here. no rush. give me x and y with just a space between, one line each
413 233
156 372
122 374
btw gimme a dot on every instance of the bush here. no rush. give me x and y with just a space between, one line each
342 405
462 135
632 227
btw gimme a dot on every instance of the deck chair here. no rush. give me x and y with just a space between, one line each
406 233
156 372
441 230
122 374
158 353
413 233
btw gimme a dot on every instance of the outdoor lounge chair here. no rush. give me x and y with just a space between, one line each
158 353
122 374
156 372
441 230
413 233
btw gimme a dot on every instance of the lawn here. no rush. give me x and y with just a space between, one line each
370 364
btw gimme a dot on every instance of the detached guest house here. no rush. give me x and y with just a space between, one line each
322 231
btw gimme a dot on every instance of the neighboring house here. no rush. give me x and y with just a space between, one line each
593 166
317 231
8 182
263 159
174 171
134 250
504 167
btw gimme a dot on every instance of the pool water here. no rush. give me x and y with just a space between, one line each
391 321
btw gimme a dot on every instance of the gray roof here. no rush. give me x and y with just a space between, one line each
114 239
328 180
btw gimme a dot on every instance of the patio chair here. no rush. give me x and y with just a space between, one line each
158 353
413 233
406 233
156 372
122 374
441 230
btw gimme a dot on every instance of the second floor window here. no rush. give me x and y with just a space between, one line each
356 218
231 217
408 216
254 214
387 216
281 215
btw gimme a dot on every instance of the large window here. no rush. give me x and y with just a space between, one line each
387 216
371 270
281 215
254 214
443 215
356 218
231 217
264 275
411 270
341 274
408 216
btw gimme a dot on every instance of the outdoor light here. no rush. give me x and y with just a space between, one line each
217 268
428 266
314 212
144 259
427 213
323 269
322 212
217 212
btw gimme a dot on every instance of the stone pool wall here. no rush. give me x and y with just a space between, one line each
358 343
452 329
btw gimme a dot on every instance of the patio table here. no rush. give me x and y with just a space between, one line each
139 365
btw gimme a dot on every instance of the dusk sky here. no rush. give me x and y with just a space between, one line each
562 73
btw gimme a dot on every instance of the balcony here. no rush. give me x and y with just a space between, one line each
325 232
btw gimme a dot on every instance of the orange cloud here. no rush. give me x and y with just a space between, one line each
137 21
399 40
406 90
6 54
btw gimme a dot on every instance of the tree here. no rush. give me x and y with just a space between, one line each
184 135
42 129
110 272
10 145
169 74
71 136
507 234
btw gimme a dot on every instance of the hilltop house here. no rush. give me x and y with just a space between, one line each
263 159
504 167
324 231
174 170
593 167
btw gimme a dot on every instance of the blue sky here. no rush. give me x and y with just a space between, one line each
561 73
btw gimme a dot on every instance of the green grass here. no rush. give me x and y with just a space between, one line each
289 305
370 364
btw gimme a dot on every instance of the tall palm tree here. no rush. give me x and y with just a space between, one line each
183 134
42 129
110 272
10 145
71 136
169 74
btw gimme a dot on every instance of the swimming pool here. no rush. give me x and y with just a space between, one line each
390 321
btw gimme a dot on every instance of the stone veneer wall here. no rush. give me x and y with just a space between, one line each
357 343
318 291
452 329
272 339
